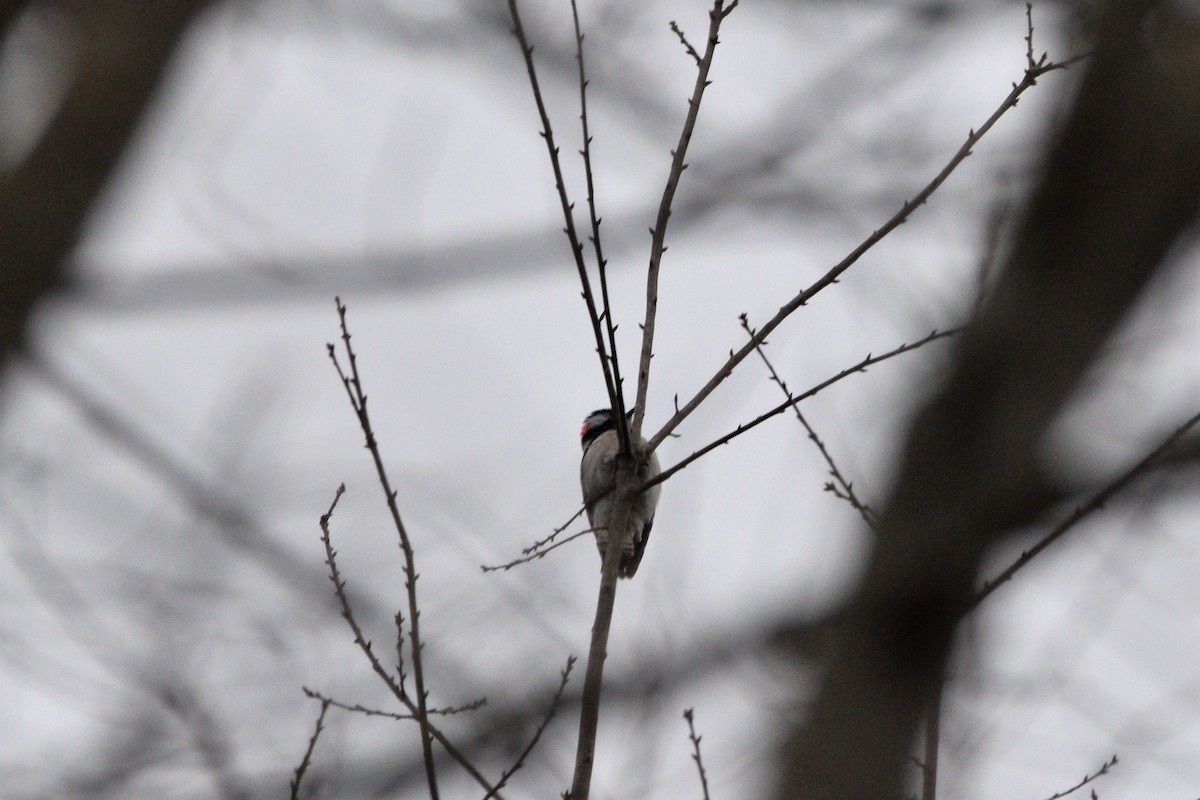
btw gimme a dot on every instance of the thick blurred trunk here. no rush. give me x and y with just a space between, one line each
1121 184
120 50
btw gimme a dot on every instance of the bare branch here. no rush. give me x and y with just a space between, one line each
537 734
691 51
312 743
793 400
357 708
840 487
688 715
339 589
534 556
518 31
364 644
624 490
539 548
543 542
658 233
830 277
1104 768
358 400
1095 503
617 396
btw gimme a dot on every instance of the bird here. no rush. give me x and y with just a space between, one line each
598 476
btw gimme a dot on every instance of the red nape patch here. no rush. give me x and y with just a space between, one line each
584 429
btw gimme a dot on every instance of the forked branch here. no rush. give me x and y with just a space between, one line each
658 234
417 705
617 396
793 400
358 401
602 349
1032 73
839 486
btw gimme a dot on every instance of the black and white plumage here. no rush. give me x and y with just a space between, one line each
598 475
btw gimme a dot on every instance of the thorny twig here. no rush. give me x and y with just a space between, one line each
534 556
618 396
1032 73
417 707
658 233
1104 768
312 744
364 644
1095 503
358 401
357 708
839 487
688 715
792 401
518 30
691 51
554 535
565 676
540 548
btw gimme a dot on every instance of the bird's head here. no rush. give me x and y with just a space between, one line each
596 423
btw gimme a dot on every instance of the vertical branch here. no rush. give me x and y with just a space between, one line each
358 400
625 488
617 397
658 233
589 299
689 715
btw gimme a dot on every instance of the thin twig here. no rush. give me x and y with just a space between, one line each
543 542
839 487
900 217
691 51
312 744
1094 504
339 589
357 708
398 618
618 398
658 233
793 400
537 734
535 556
1029 62
518 30
1112 762
687 714
358 400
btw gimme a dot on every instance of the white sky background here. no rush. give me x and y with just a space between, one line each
391 156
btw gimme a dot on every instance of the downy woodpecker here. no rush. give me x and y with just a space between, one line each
598 475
